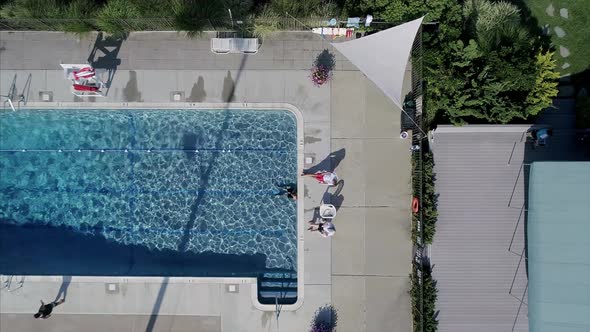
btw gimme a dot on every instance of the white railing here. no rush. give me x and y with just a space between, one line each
9 102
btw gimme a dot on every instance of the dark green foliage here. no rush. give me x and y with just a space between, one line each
193 16
425 299
33 9
153 8
491 74
73 14
480 65
429 205
302 8
78 11
429 197
240 9
118 17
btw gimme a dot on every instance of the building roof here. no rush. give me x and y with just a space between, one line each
479 240
558 230
383 56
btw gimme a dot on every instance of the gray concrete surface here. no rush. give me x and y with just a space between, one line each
371 253
363 270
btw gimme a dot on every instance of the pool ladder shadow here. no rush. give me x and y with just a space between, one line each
277 288
12 283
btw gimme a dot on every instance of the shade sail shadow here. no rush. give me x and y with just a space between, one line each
64 251
227 94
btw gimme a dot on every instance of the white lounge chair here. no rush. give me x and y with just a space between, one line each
220 45
327 211
234 45
85 82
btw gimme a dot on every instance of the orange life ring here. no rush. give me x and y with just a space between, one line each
415 204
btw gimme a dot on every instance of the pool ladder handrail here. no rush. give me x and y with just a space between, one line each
9 102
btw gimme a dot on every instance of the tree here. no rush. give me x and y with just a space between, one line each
492 74
494 23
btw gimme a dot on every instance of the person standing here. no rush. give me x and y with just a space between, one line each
46 309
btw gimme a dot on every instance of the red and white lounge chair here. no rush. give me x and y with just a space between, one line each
85 82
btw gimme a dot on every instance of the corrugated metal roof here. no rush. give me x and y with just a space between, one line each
479 239
558 246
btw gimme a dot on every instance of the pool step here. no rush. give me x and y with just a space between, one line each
277 285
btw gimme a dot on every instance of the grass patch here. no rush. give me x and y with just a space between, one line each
576 27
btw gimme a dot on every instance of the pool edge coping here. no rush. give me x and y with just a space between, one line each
222 280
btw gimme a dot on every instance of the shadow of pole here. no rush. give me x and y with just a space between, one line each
228 95
157 305
204 183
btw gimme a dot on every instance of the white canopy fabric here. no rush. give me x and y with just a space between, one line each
383 56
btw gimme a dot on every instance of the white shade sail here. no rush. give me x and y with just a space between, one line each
383 56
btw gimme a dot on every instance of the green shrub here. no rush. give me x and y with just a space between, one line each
78 11
240 9
33 9
194 16
429 197
545 88
153 8
265 23
117 17
493 23
304 8
424 315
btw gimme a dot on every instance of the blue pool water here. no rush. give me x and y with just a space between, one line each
147 192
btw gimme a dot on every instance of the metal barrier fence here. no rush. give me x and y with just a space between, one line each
156 24
418 136
283 23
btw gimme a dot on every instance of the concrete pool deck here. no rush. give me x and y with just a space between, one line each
363 270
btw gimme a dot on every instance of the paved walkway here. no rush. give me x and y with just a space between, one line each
363 271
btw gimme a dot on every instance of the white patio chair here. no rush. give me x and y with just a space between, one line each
327 211
234 45
220 45
245 45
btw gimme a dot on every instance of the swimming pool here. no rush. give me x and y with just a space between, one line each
136 192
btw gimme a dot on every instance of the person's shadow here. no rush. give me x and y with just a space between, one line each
63 289
330 163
